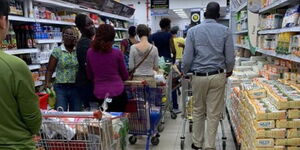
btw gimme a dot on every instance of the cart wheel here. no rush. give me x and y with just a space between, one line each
182 144
191 128
160 127
155 140
132 140
173 115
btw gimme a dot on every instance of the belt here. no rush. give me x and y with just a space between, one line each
208 73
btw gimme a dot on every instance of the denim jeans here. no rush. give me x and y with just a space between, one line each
86 94
67 97
174 99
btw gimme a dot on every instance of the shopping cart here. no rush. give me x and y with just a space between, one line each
146 119
82 131
187 110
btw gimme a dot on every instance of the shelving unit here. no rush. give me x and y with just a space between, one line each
277 4
34 67
38 83
242 32
47 41
276 31
21 51
243 6
242 46
282 56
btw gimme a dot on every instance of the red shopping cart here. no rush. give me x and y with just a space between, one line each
79 131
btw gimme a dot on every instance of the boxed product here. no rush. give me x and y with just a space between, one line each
272 148
288 142
293 123
293 133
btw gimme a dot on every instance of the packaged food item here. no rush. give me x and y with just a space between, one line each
269 124
293 133
288 142
293 148
293 123
272 133
291 16
272 148
294 113
261 143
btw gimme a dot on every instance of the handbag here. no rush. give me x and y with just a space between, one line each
131 72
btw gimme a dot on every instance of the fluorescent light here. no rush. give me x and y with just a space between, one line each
180 12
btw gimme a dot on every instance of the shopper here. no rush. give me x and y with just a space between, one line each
87 29
208 53
143 57
161 39
127 43
106 68
176 45
20 114
63 60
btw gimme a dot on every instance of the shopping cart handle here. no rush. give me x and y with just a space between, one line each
132 82
95 115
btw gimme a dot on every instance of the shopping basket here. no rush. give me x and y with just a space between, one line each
147 117
81 131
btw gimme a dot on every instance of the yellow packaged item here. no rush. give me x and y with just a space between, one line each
294 114
273 133
293 148
288 142
293 133
265 124
272 148
260 143
293 123
254 94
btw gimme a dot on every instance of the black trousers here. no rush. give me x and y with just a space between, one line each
118 103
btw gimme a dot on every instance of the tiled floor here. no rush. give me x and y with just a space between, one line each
170 137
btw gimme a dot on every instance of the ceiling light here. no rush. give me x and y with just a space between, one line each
178 10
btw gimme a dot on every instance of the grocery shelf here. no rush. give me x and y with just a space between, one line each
19 18
47 41
278 4
76 7
38 83
276 31
242 46
21 51
34 67
282 56
121 29
243 6
242 32
44 61
47 21
43 78
118 40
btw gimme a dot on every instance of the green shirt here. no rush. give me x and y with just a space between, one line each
20 114
67 65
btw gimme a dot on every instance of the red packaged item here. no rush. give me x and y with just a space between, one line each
43 100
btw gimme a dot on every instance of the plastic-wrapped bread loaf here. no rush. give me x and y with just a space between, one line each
293 148
269 124
261 143
294 123
293 133
272 148
294 114
288 142
273 133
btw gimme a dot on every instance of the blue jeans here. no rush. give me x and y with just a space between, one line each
174 99
67 97
86 94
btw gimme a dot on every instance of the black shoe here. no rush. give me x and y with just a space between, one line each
195 147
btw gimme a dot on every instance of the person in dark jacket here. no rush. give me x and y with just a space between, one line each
88 31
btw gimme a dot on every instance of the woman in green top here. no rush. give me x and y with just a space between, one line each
64 60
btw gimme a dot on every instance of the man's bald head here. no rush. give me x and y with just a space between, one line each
212 11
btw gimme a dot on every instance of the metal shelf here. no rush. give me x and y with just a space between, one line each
242 32
282 56
34 67
21 51
276 31
76 7
278 4
44 61
47 41
242 46
243 6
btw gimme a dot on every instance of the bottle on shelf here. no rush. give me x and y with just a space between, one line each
12 38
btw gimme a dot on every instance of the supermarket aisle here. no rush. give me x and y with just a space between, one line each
170 137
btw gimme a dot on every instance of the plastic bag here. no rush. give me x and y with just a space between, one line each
51 98
291 16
